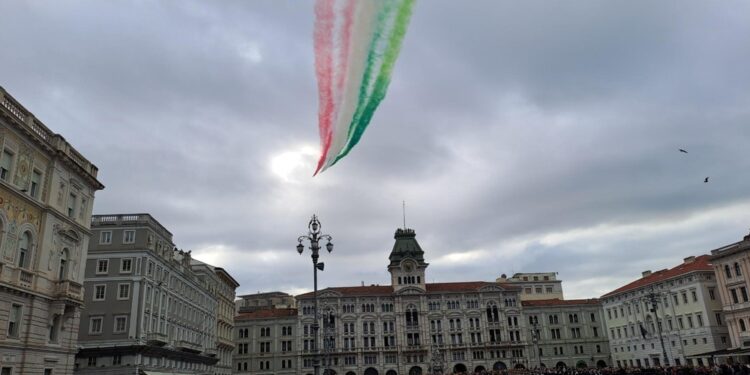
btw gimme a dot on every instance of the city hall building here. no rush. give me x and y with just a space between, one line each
413 327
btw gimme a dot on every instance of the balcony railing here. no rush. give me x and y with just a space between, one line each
69 289
23 278
157 337
187 345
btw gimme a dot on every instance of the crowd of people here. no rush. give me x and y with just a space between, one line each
735 369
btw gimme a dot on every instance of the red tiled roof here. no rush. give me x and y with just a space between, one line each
701 263
372 290
560 302
385 290
266 313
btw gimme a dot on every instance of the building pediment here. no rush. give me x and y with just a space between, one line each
410 291
329 294
491 288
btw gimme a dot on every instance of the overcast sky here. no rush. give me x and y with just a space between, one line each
524 136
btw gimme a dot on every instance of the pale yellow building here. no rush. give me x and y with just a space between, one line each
46 195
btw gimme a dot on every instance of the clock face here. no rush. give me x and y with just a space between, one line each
407 267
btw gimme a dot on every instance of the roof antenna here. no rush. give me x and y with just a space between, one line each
404 211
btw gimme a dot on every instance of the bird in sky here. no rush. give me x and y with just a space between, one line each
706 180
681 150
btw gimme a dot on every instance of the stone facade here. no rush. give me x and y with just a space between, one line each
268 300
222 285
149 306
731 265
46 195
688 313
266 341
568 333
411 326
536 285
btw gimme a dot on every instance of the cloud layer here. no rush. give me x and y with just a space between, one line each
530 136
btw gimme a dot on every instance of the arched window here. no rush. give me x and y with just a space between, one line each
742 325
737 270
399 280
23 250
727 271
62 274
418 280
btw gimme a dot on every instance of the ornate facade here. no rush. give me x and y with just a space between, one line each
46 195
687 318
412 327
731 264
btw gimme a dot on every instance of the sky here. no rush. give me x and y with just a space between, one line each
524 136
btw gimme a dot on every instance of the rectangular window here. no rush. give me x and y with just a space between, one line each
711 294
102 266
128 236
95 325
126 265
695 296
36 181
734 296
14 320
72 202
121 324
6 161
100 292
105 237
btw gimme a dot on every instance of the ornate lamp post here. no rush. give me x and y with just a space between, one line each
314 236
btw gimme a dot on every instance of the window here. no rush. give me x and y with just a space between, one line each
105 237
695 296
128 236
734 296
62 272
36 180
121 324
711 294
737 270
95 325
727 271
743 291
72 202
100 292
126 265
117 359
23 250
6 161
54 328
14 321
102 266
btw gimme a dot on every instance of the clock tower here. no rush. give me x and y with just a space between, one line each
407 265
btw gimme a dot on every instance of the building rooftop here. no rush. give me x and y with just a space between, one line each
406 246
130 220
266 314
691 264
560 302
731 248
386 290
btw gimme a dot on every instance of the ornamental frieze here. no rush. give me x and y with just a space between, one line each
18 213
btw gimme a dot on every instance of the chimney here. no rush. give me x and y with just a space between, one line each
646 273
690 259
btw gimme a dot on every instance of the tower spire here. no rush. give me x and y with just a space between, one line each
404 211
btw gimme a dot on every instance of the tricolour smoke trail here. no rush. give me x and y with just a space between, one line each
366 46
396 36
323 39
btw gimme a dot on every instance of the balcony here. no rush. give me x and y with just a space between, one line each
157 337
68 289
23 278
225 342
187 345
211 352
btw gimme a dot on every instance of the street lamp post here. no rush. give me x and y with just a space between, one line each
535 340
314 236
329 334
654 298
